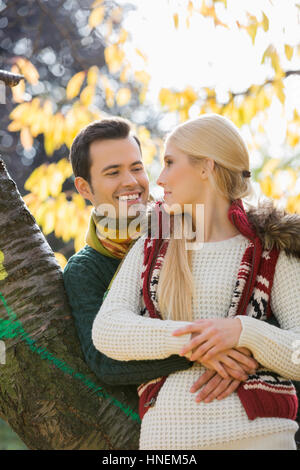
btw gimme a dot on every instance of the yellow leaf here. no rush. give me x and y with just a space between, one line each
175 19
270 166
74 85
87 95
278 87
142 76
92 75
96 17
15 126
97 3
123 36
18 92
140 53
26 138
251 30
61 259
124 74
265 22
28 70
190 7
123 96
114 57
288 51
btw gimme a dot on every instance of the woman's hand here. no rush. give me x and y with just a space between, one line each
232 363
210 337
214 386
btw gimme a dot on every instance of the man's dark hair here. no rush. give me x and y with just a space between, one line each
111 128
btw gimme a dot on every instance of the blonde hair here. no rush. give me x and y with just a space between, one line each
209 136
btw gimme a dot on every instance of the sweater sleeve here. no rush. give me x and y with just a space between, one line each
120 332
278 348
85 292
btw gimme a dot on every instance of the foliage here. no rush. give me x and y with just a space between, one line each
116 87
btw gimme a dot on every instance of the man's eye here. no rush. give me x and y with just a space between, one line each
138 169
114 173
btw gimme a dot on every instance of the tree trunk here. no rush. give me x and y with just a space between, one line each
48 394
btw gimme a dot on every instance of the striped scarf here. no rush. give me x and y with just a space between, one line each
113 234
265 393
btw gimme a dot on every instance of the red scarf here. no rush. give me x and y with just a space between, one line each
265 393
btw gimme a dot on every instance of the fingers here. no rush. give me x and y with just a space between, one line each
231 388
209 388
213 389
197 326
241 376
232 364
218 368
199 339
201 350
203 379
250 363
245 351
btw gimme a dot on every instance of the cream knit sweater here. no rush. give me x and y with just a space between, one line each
176 421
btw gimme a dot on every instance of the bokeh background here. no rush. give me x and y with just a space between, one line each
157 63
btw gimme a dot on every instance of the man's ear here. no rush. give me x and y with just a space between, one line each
83 188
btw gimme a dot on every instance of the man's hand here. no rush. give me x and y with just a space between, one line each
214 386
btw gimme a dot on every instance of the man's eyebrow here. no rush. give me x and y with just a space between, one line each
109 167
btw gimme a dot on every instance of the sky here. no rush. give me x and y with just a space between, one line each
204 55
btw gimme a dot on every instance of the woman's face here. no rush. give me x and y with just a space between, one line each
180 179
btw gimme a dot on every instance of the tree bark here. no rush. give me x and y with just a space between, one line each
43 397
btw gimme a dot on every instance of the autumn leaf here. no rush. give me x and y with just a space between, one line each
96 17
87 95
74 85
26 138
62 261
123 96
265 22
28 70
288 51
92 75
175 19
114 57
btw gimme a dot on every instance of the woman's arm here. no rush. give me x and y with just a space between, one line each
273 347
120 332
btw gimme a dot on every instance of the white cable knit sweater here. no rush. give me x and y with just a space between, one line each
176 421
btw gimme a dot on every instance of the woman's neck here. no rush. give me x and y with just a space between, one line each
211 219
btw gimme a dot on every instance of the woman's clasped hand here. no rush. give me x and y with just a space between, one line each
214 344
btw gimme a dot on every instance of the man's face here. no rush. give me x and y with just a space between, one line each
116 170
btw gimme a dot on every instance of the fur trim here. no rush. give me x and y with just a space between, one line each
275 227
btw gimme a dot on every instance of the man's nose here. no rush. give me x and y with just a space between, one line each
129 179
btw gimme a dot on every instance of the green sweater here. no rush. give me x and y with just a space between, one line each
86 277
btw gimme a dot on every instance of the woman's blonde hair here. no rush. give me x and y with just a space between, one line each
209 136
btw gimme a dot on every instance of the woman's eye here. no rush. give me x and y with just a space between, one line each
168 162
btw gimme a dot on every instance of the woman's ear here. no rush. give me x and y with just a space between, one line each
207 166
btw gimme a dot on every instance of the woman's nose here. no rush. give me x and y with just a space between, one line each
160 180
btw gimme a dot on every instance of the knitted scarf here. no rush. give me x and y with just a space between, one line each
110 239
265 393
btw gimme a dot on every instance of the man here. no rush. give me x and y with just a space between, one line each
108 168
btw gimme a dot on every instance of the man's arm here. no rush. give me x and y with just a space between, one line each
85 293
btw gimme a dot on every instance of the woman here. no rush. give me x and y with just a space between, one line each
203 302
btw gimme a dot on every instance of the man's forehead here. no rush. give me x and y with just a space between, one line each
115 151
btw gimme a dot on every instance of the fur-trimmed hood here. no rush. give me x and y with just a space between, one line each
274 226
